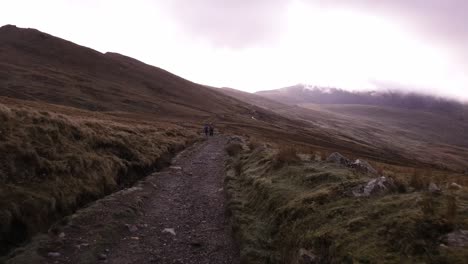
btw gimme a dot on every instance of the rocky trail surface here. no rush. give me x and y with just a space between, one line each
173 216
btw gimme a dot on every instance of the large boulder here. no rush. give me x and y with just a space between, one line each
458 238
433 188
377 186
338 159
455 186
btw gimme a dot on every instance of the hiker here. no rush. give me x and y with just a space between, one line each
206 129
211 130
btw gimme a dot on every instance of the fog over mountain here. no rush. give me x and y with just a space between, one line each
309 94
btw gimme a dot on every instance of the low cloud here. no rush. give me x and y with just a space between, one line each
230 23
453 94
441 22
241 23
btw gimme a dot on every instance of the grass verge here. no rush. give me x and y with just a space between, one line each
52 164
306 209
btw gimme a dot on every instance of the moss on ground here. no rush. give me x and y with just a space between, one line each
276 211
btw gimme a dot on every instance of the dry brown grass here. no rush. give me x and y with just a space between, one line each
286 155
323 155
52 164
253 144
237 166
428 204
451 213
420 180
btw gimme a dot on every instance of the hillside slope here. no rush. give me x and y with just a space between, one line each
38 66
432 137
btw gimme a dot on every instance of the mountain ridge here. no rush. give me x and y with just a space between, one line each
43 67
306 94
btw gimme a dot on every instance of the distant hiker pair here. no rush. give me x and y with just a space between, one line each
209 130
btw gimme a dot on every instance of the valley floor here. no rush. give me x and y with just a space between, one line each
173 216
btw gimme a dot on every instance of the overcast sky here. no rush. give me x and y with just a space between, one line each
253 45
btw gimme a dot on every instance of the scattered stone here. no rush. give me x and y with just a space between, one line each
130 190
376 186
143 225
102 257
196 244
107 250
442 245
306 257
61 235
363 166
135 238
177 168
455 186
433 188
170 231
338 158
53 254
132 228
457 238
236 139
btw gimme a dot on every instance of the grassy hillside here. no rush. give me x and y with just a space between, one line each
432 138
291 209
54 163
37 66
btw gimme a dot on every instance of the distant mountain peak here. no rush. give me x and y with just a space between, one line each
313 94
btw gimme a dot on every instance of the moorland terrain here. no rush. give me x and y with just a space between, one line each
77 125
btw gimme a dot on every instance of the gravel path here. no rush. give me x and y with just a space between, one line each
186 214
173 216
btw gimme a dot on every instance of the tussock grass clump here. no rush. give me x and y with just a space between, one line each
237 166
419 180
400 183
253 144
451 212
233 149
52 164
286 156
428 204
